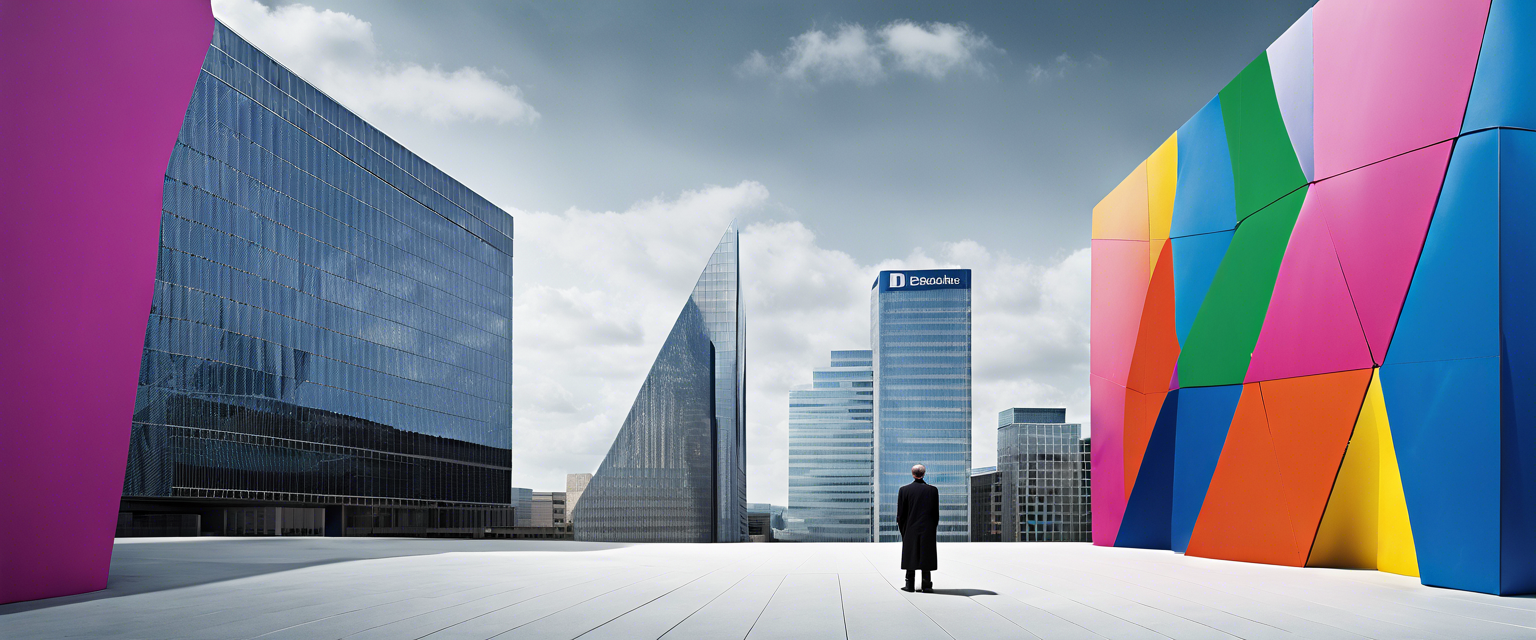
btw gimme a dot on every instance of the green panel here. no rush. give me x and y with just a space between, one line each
1264 165
1221 341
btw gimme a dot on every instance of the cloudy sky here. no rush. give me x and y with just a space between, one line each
845 137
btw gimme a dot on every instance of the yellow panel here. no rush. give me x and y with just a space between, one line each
1122 215
1366 523
1162 182
1157 250
1347 536
1395 550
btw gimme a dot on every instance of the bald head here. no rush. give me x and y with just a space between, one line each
918 470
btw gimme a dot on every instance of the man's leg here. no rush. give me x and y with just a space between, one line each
909 581
927 580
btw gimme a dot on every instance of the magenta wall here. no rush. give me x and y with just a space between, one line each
94 94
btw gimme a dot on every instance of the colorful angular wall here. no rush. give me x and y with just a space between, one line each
95 93
1314 315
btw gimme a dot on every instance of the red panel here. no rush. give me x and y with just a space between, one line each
1140 416
1119 288
1157 340
1108 458
1310 421
1311 326
1247 513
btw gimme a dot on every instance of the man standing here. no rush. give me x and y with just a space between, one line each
917 517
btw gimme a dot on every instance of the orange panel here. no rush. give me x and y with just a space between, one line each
1122 215
1140 415
1246 515
1157 339
1310 421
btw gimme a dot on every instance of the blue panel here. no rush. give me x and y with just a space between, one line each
1445 428
1195 260
1205 201
1504 91
1147 520
1517 261
1452 307
1204 415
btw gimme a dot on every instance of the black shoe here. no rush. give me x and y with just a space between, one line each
908 588
928 588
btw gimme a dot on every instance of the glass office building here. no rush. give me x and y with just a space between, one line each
718 295
675 473
986 505
331 326
1042 463
920 328
832 451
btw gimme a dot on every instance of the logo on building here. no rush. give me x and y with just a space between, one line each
897 281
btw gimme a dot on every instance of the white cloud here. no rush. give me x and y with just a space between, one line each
851 54
1063 64
934 49
337 52
597 293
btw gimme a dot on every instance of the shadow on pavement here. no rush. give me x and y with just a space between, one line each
963 592
146 565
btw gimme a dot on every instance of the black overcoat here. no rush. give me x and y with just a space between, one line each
917 516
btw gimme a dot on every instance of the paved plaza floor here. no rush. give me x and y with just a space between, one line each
215 588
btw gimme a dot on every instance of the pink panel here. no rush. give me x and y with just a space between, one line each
1120 277
1311 326
1391 76
95 93
1107 427
1377 217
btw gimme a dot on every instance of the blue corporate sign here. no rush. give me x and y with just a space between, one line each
924 279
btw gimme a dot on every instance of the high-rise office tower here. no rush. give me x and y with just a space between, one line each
832 451
676 471
920 331
331 326
1042 468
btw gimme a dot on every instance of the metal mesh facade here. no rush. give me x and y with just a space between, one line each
718 295
922 362
1043 473
831 451
332 318
657 483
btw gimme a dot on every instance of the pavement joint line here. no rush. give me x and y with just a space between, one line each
384 604
1258 603
579 602
425 613
685 584
744 576
1354 613
1171 613
512 604
1064 596
765 606
903 595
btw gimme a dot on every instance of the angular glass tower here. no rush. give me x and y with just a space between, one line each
676 472
920 328
331 324
832 451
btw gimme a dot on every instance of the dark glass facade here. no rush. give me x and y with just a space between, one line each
920 328
657 483
332 315
1042 464
654 486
